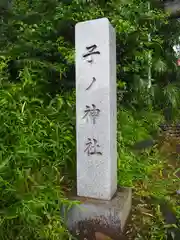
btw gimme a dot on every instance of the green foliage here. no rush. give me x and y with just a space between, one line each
44 40
37 149
137 129
148 173
37 102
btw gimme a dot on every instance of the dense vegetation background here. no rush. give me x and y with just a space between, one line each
37 102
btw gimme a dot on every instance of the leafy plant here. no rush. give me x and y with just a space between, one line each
37 102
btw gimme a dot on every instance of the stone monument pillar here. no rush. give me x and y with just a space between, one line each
96 109
103 208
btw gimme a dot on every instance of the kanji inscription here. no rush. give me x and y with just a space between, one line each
93 80
90 52
92 113
92 147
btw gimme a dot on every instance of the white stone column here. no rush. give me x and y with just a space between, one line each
96 111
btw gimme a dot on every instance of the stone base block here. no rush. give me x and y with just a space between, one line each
98 217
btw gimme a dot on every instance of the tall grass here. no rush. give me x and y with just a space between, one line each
37 149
